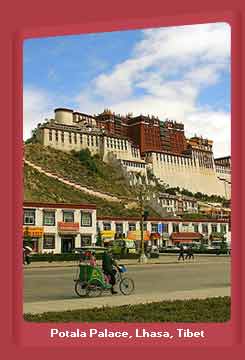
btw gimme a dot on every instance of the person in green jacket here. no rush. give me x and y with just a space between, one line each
108 264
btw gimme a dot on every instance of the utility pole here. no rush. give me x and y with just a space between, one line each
142 258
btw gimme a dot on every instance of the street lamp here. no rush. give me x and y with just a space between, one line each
143 217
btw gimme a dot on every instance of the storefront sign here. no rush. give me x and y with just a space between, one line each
107 234
68 227
136 235
32 231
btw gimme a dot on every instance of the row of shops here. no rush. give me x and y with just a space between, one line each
60 228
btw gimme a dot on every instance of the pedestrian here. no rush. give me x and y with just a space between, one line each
181 253
27 255
108 264
189 254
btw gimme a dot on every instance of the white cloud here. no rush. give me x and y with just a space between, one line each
37 106
164 76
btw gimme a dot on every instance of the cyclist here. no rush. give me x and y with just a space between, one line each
108 264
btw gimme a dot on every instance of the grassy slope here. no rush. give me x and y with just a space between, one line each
107 178
39 187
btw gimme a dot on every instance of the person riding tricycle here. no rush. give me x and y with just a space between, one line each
91 280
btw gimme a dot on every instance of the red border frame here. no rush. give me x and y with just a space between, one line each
48 19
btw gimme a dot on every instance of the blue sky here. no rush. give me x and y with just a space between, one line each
180 73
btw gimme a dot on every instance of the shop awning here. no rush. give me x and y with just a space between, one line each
186 236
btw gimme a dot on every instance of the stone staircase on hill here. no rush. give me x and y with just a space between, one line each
84 189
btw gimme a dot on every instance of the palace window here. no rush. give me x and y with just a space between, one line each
62 136
81 138
56 135
70 138
97 141
49 218
50 135
29 217
49 242
75 138
92 140
86 219
214 228
68 216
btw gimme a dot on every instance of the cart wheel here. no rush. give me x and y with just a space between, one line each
94 288
126 286
81 288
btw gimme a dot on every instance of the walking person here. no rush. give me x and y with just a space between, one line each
181 253
189 254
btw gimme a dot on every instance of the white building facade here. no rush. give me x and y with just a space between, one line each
59 228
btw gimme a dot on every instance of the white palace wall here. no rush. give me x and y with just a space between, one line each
181 171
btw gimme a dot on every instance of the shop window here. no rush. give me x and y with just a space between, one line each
86 240
49 218
107 226
86 218
175 227
68 216
195 227
204 228
165 228
223 228
119 228
132 226
154 227
49 242
29 217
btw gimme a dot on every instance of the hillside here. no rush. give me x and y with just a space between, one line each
90 172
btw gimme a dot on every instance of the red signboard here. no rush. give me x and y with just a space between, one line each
68 227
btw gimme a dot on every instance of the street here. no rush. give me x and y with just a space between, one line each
54 285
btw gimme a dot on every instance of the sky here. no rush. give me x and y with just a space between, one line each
178 73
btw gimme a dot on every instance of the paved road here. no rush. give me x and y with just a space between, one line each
56 284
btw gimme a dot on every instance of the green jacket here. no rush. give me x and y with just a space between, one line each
107 262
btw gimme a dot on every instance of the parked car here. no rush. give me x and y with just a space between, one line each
171 248
123 247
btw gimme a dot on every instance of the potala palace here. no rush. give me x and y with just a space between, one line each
142 145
